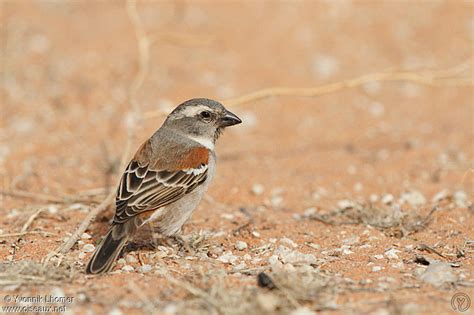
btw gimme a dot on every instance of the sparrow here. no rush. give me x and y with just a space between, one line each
166 178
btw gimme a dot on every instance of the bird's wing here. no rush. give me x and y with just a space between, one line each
144 188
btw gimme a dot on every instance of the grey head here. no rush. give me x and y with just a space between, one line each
201 118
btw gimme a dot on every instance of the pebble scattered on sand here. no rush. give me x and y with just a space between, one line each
240 245
88 248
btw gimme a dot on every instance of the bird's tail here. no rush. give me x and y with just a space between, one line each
108 250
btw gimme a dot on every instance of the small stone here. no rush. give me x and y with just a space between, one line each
346 251
302 311
255 233
121 261
376 268
378 256
438 273
52 209
131 259
257 189
227 258
115 311
227 216
81 255
324 66
247 257
346 204
86 236
387 199
460 198
309 212
240 245
276 201
392 253
289 256
127 268
373 198
170 309
414 198
443 194
144 269
273 260
358 187
88 248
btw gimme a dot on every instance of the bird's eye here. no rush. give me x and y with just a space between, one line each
205 115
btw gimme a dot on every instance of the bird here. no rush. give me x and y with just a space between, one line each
166 178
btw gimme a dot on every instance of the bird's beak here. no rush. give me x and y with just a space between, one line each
229 119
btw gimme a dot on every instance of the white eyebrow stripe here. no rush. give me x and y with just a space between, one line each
204 141
193 110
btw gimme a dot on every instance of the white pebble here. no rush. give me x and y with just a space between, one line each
52 209
302 311
85 236
346 204
240 245
131 259
376 268
460 198
115 311
127 268
258 189
88 248
144 269
414 198
387 199
227 258
373 198
121 261
227 216
443 194
324 66
392 253
309 212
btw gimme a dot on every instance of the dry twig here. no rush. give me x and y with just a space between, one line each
430 78
24 233
445 77
30 220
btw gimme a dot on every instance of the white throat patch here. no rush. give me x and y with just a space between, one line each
208 143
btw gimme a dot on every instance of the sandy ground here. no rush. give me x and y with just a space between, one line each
338 198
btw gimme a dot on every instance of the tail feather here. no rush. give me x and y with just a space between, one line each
108 250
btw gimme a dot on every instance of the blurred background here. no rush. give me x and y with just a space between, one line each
67 92
67 67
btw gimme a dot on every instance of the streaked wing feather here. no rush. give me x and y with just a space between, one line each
142 189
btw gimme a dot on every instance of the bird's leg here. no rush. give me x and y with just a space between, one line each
182 242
